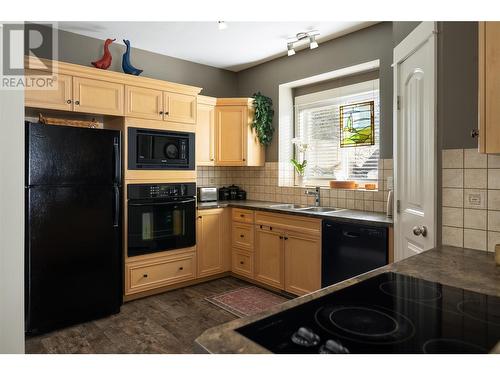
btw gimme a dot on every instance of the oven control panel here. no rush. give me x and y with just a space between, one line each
148 191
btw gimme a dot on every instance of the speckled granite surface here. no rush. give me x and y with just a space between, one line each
345 215
462 268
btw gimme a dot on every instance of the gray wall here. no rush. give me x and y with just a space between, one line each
364 45
80 49
457 84
400 30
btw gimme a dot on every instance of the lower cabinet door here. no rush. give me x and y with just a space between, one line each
269 262
209 242
302 264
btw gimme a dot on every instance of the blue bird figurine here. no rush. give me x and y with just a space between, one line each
126 65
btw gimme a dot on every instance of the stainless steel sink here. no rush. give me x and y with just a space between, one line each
319 209
289 206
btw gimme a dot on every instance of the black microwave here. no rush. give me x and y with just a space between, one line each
155 149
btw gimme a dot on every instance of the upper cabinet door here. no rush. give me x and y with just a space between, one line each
143 103
205 134
60 97
489 87
100 97
231 135
179 107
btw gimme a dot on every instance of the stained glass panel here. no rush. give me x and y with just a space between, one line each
357 124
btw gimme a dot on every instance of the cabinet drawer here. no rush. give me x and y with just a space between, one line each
160 273
302 224
243 263
243 236
242 215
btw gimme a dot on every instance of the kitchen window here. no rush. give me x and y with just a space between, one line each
317 125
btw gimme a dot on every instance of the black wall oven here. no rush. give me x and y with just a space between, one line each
160 217
156 149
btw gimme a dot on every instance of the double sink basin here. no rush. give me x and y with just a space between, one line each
304 208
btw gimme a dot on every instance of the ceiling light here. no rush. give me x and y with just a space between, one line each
222 25
300 38
312 42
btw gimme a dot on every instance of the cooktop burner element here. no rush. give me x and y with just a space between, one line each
412 291
388 313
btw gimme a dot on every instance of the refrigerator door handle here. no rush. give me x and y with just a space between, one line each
118 169
116 213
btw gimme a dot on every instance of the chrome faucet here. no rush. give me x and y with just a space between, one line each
316 193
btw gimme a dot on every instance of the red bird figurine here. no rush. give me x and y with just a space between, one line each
105 61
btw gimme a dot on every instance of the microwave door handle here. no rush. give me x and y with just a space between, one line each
161 203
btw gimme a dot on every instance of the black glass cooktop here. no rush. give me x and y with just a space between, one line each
389 313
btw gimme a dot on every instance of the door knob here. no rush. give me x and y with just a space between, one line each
420 230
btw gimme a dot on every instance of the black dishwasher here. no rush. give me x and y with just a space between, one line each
350 249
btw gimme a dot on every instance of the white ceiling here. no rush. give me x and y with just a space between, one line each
240 46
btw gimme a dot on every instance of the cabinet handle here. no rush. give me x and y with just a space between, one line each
68 101
241 235
241 215
199 217
166 113
281 237
474 133
181 268
211 159
270 228
77 102
286 238
244 159
145 275
241 262
161 112
261 227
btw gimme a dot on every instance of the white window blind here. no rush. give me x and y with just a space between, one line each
318 125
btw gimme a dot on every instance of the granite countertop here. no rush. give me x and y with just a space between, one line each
462 268
345 215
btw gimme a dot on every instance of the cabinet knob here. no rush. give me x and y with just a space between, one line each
77 102
242 235
145 275
474 133
68 101
241 215
286 238
281 237
161 112
211 159
181 268
241 262
166 113
199 217
244 159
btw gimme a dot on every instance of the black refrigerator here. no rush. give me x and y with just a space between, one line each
73 226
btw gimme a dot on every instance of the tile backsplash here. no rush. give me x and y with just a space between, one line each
471 199
261 183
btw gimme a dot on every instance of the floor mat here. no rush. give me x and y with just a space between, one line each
246 301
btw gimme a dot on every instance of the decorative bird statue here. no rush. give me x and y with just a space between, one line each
126 65
105 61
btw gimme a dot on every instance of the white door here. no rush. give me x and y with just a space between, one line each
415 142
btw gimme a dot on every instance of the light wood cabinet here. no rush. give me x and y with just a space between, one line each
95 96
157 272
59 98
302 263
209 242
243 236
242 263
179 107
242 215
205 131
269 257
489 87
143 103
236 143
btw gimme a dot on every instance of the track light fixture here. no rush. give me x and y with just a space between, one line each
222 25
311 35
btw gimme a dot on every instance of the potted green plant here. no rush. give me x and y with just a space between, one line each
300 166
263 118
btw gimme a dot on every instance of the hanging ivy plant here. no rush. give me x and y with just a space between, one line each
263 118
